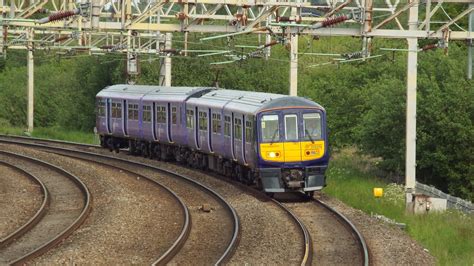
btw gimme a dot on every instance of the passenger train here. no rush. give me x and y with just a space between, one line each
277 142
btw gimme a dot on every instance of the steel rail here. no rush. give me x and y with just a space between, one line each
185 230
36 217
308 243
358 236
71 228
232 245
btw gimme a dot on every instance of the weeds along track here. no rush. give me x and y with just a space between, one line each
69 206
336 241
213 238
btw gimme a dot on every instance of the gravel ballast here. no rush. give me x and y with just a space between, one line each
20 199
388 244
132 221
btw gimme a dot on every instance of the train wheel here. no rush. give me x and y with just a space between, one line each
110 144
238 173
102 142
157 152
145 150
132 147
270 194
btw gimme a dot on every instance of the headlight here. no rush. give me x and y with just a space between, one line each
273 154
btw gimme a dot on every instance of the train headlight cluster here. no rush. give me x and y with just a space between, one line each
273 154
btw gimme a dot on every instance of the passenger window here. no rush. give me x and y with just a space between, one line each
190 119
270 128
101 108
133 111
216 123
116 110
312 126
248 132
291 127
238 129
161 114
174 116
202 121
227 126
146 113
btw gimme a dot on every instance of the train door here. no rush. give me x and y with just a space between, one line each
203 130
153 123
232 137
196 129
116 118
249 137
108 115
209 130
238 138
216 133
169 122
227 136
125 117
242 137
291 145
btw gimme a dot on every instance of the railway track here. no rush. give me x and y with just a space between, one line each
69 206
363 248
336 239
313 253
134 167
36 216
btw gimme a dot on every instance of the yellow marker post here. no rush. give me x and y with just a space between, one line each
378 192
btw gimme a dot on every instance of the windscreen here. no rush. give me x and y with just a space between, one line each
291 127
312 126
270 128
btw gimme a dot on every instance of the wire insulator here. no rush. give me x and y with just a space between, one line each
334 20
60 15
270 44
62 38
429 47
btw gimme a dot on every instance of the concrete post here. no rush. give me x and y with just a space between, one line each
471 44
410 158
30 82
168 60
293 64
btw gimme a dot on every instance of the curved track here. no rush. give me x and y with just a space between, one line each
356 236
230 247
364 251
185 230
36 217
60 220
336 240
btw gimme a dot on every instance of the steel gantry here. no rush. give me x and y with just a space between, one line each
135 27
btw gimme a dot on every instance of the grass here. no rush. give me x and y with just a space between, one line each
53 133
449 236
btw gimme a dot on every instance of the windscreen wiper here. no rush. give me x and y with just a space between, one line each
309 135
274 136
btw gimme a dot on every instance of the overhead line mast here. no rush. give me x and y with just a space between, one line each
135 28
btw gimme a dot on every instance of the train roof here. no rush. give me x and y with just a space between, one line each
150 93
249 102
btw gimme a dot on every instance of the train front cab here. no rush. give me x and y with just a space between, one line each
292 149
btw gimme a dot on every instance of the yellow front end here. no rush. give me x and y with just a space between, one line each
289 152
